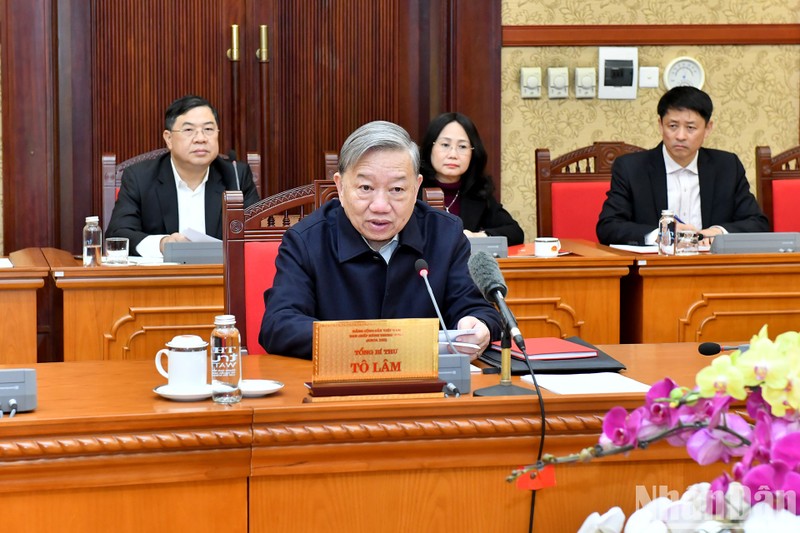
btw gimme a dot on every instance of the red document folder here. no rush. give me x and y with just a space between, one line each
550 349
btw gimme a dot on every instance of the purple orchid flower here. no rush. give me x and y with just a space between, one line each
775 483
711 444
620 428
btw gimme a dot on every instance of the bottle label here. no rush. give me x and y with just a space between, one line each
224 362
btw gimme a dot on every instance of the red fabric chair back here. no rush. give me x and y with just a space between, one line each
785 214
778 186
576 208
259 272
570 189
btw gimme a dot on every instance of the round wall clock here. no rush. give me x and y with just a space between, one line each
684 71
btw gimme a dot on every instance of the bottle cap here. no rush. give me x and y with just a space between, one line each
225 320
94 218
667 212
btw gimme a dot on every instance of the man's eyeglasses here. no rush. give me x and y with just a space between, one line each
445 147
191 133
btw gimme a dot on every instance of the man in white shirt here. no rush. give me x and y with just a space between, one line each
160 200
707 189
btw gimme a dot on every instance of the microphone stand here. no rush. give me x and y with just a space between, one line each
505 388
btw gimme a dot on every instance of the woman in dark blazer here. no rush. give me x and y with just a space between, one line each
453 158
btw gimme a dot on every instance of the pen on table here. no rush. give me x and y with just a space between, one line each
700 236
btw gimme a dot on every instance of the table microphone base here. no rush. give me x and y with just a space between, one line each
504 390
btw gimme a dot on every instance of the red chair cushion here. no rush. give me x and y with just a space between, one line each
259 271
785 215
576 208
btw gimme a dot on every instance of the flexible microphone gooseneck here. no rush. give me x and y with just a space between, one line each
422 269
712 348
485 272
232 157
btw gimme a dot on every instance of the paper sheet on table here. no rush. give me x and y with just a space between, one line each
136 260
597 383
649 249
197 236
6 263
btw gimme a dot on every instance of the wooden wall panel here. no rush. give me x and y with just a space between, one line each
30 209
146 54
335 66
118 64
650 35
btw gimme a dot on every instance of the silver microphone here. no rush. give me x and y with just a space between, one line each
422 269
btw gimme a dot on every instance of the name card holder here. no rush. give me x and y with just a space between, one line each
375 359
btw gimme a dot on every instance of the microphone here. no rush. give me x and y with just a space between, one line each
232 157
422 269
485 272
712 348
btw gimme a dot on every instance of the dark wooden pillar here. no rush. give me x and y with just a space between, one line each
30 171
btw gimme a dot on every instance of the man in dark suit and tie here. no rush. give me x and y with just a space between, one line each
707 189
159 200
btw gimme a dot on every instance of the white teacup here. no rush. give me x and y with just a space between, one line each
546 247
187 359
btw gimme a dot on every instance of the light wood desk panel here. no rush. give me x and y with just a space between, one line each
131 312
415 465
103 452
576 294
18 296
710 297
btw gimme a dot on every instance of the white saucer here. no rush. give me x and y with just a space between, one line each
183 395
259 387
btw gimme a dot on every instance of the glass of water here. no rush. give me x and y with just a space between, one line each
117 251
688 243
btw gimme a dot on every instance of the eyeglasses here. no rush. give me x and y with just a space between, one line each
191 133
445 147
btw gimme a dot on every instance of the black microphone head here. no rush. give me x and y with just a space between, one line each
232 155
485 272
420 265
709 348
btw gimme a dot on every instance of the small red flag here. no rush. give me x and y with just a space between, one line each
546 477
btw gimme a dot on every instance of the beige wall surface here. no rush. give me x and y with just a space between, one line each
755 89
601 12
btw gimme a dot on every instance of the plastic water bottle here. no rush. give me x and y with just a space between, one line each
666 233
226 361
92 242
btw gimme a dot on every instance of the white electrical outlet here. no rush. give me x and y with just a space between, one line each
585 82
530 82
557 82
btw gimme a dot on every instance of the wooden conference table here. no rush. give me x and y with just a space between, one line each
710 297
19 287
104 453
132 311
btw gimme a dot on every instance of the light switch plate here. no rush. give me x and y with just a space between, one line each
530 82
585 82
557 82
648 77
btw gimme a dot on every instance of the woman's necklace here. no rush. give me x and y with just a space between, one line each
448 206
